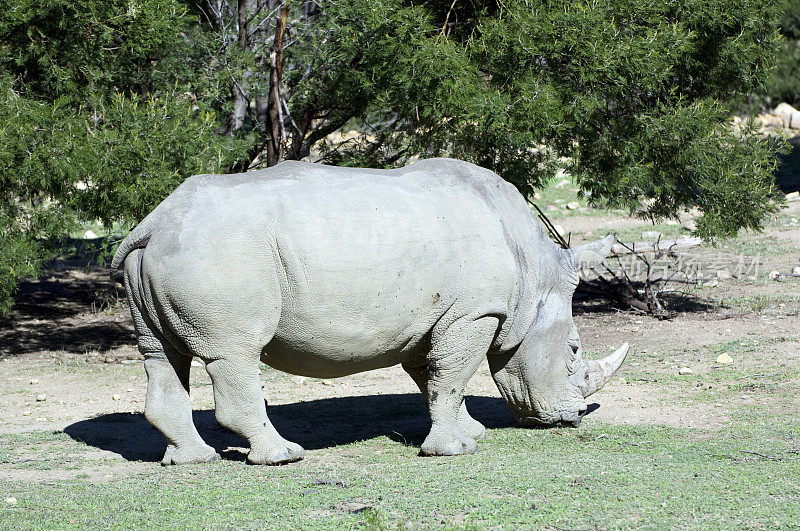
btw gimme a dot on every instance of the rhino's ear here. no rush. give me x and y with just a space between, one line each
591 254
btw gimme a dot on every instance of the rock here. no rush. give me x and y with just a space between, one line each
685 370
328 383
552 208
689 225
115 397
651 235
769 120
26 413
724 358
672 222
793 196
41 398
537 195
724 274
796 270
573 205
196 363
89 235
11 500
561 184
773 275
34 381
788 115
41 419
559 229
129 390
713 283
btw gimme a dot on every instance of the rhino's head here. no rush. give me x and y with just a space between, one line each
545 381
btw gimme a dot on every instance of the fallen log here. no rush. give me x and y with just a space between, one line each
676 244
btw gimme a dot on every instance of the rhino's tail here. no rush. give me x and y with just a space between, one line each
136 239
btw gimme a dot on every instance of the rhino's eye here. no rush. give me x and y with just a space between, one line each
573 346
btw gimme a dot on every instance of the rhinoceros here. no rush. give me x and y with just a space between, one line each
326 271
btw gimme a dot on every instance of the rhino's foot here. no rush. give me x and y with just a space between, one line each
472 428
275 454
189 455
448 442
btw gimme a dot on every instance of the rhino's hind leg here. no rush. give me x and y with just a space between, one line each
454 357
167 406
240 407
469 426
169 409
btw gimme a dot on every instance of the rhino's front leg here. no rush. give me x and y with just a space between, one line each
454 357
418 370
240 407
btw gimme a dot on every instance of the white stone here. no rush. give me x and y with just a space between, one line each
774 275
11 500
41 398
573 205
724 274
796 270
788 115
34 381
89 235
685 370
115 397
724 358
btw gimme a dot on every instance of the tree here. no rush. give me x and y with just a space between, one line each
784 84
631 96
125 99
97 120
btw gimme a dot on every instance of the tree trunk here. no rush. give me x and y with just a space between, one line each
275 117
239 87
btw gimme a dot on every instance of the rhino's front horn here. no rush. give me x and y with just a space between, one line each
599 372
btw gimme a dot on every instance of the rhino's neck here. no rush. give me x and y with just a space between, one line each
537 273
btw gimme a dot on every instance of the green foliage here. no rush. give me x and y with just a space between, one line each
784 84
96 121
632 97
634 93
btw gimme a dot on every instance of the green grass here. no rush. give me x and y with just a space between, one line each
596 476
758 245
559 197
760 303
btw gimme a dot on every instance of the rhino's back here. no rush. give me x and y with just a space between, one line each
367 261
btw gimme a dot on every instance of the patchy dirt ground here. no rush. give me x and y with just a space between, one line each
68 363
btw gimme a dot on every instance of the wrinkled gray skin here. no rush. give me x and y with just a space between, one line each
323 272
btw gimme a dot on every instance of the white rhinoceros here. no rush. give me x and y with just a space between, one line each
323 271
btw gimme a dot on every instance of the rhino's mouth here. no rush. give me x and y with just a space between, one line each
567 420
